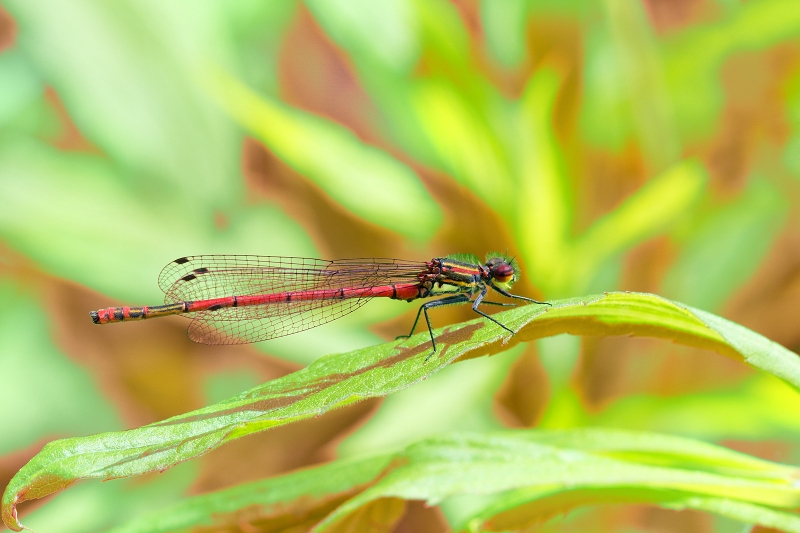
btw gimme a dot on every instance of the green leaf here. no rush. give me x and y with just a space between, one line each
94 507
639 62
464 144
531 475
743 412
362 178
525 507
692 60
460 399
303 497
504 23
69 401
555 471
741 511
21 86
450 118
126 73
93 228
382 32
606 117
545 203
337 380
665 450
653 208
722 250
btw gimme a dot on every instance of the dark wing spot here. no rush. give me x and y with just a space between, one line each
188 277
201 270
181 261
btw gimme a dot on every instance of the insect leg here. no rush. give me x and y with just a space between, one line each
478 301
456 299
506 293
419 311
450 300
487 302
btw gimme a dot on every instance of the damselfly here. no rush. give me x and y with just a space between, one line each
236 299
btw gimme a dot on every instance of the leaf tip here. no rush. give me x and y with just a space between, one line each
9 514
22 488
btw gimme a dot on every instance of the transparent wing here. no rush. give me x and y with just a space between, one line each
204 277
217 276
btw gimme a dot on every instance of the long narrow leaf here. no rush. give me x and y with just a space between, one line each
366 180
338 380
302 497
547 472
521 471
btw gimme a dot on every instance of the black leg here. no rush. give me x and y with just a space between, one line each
419 311
450 300
478 301
487 302
506 293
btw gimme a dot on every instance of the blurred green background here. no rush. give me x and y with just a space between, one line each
613 145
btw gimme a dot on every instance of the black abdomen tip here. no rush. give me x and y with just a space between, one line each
95 318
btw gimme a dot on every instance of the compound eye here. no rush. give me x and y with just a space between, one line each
503 272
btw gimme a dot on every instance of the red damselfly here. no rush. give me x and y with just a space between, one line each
236 299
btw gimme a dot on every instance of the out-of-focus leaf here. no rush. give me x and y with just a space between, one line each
453 124
791 153
20 85
606 117
338 380
445 39
222 385
722 251
126 74
298 499
504 24
560 264
544 203
362 178
744 413
640 65
525 507
67 402
694 58
528 466
464 143
460 399
256 29
570 7
530 475
741 511
99 506
452 77
76 217
383 32
665 450
436 28
653 208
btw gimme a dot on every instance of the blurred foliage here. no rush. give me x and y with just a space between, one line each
647 146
